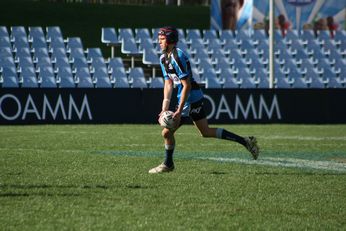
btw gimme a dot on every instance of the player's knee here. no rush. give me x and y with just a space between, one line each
166 133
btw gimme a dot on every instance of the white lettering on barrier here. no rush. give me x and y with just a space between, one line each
245 109
31 108
19 107
59 105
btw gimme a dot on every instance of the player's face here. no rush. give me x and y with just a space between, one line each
163 42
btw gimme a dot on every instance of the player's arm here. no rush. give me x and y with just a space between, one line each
184 95
167 94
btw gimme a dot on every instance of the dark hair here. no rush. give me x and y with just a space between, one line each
170 33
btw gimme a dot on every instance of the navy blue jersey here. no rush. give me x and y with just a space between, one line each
177 67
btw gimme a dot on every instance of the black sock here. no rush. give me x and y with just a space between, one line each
226 135
169 155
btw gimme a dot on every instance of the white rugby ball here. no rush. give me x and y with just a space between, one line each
166 120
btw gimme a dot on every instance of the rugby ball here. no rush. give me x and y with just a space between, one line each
166 120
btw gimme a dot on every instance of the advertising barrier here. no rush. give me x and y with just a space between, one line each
141 106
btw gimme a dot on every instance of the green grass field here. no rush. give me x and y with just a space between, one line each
94 177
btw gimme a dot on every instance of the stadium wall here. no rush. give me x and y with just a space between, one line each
141 106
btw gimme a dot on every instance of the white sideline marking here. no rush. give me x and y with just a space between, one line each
287 162
314 138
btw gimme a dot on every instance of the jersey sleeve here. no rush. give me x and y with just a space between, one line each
164 73
181 64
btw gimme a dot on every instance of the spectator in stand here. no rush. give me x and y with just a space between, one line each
332 26
320 24
283 25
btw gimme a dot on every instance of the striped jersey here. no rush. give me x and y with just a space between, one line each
177 67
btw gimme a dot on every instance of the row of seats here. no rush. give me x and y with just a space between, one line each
38 53
297 56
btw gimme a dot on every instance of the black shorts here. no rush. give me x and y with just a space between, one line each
196 112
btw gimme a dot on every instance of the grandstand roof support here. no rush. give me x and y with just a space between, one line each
271 43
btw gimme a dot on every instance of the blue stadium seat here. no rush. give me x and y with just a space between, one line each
4 32
121 82
21 42
76 53
74 42
101 77
43 62
38 42
93 53
129 47
115 63
79 63
125 33
150 57
141 34
209 35
226 35
136 73
47 77
5 52
192 34
109 36
139 82
299 82
9 77
28 77
25 62
53 32
98 62
83 78
196 75
5 42
145 43
57 42
157 82
36 32
18 32
212 83
118 72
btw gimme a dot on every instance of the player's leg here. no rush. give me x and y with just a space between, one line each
169 141
249 143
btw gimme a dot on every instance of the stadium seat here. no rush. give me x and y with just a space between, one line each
25 62
232 82
129 47
101 78
121 82
196 75
38 42
46 77
151 59
36 32
18 32
21 42
93 53
98 62
4 32
192 34
74 42
83 78
5 42
53 32
209 35
141 34
5 52
115 63
139 82
157 82
212 83
43 62
9 77
125 33
79 63
226 35
109 36
299 82
145 43
76 53
28 77
136 73
118 72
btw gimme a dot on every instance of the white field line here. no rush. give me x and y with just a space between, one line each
287 162
312 138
